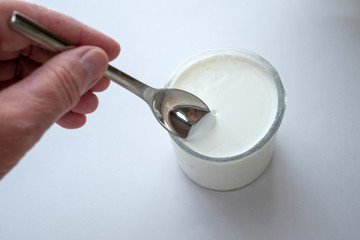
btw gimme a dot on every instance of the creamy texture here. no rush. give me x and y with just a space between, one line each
242 96
202 127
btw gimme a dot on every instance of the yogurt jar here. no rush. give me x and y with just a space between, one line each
247 100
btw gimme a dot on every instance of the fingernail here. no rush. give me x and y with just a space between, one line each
94 62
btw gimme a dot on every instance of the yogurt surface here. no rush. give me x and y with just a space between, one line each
242 96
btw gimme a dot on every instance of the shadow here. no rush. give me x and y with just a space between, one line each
254 210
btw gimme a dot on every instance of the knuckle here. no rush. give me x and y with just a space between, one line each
67 87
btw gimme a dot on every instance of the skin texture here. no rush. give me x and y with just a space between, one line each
39 88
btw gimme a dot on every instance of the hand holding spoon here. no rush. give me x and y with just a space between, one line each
176 110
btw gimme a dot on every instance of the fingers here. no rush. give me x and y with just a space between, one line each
8 55
25 67
33 52
28 61
72 120
100 86
56 87
7 70
76 117
87 104
37 54
62 25
19 68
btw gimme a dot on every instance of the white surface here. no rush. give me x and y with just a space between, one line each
117 178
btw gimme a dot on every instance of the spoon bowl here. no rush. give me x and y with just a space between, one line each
176 110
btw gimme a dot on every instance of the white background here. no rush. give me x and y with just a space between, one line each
117 177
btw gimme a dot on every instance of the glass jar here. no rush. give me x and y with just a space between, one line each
234 171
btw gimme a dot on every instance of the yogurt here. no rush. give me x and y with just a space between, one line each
233 146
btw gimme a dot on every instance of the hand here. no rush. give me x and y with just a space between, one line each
38 88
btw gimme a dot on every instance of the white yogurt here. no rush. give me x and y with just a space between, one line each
201 129
247 100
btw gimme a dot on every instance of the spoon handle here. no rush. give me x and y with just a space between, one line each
54 43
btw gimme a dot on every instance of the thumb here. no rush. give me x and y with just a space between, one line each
33 104
54 88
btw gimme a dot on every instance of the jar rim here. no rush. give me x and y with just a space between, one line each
282 100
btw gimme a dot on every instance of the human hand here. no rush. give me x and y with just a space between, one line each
38 88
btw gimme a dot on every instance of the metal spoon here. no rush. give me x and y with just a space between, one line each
176 110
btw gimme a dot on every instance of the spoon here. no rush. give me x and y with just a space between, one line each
176 110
